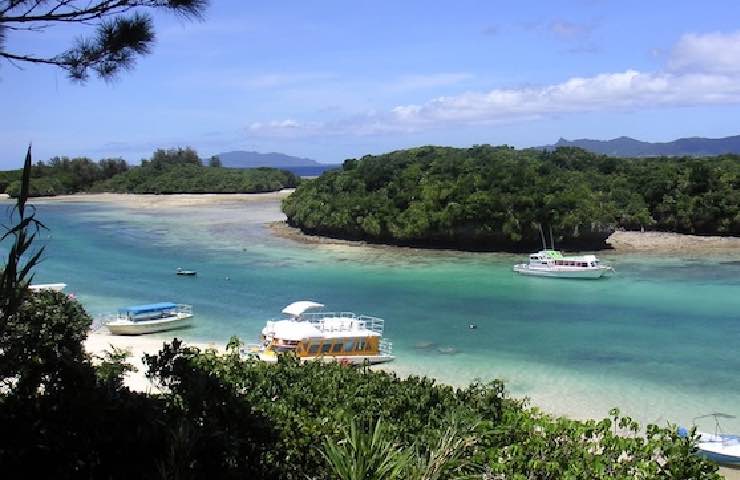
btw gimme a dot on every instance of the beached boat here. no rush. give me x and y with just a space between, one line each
719 447
552 263
332 336
56 287
156 317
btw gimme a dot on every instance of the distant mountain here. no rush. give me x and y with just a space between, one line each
629 147
244 159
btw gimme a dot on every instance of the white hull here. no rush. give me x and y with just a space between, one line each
562 272
350 360
54 287
723 449
127 327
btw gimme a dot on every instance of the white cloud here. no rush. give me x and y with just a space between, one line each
713 52
702 70
625 90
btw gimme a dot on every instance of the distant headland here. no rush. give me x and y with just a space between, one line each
629 147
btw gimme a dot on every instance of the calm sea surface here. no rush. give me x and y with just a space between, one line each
660 340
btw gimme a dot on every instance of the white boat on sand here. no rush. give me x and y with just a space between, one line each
55 287
552 263
721 448
156 317
330 336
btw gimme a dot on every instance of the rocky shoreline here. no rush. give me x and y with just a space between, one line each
620 242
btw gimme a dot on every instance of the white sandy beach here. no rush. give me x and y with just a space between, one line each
148 201
99 342
667 242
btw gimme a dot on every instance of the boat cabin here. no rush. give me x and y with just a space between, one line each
137 313
553 257
341 335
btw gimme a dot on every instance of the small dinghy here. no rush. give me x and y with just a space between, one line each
186 273
719 447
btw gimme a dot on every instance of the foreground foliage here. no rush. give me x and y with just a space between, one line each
499 198
446 432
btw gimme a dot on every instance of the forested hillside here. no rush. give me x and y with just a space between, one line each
498 198
181 171
167 171
62 175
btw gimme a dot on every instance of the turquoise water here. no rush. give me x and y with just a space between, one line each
660 340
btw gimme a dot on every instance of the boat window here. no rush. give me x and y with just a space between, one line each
348 345
360 346
326 347
314 348
337 348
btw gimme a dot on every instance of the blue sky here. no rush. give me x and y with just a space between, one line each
332 80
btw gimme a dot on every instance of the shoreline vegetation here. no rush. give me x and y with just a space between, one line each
620 241
487 198
166 172
99 345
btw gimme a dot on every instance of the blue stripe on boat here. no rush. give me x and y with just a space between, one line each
153 307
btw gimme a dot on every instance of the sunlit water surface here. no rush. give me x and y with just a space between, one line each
659 340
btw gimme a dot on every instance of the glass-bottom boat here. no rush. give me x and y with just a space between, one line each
552 263
156 317
343 337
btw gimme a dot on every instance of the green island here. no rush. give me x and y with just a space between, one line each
167 171
499 198
68 414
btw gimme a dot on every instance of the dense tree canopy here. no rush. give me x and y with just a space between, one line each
182 171
493 198
167 171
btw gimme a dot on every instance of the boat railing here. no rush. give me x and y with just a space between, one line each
386 347
184 309
374 324
251 349
179 309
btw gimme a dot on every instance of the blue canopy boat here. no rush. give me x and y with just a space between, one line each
155 317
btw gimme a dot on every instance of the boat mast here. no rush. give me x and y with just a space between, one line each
552 239
542 235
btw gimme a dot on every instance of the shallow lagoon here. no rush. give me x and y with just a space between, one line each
659 340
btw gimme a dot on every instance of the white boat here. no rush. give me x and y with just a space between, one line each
552 263
55 287
156 317
721 448
343 337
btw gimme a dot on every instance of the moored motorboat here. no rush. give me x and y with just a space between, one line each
552 263
156 317
330 336
721 448
55 287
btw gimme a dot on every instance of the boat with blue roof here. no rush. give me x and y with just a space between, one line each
151 318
